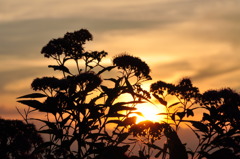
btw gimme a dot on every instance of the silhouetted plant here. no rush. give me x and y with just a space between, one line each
18 140
217 132
87 117
80 109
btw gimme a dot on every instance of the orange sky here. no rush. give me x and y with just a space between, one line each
177 38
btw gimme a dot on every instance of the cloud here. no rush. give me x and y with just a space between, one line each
177 38
213 71
25 9
19 79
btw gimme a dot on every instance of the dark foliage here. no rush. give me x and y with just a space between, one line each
86 116
18 140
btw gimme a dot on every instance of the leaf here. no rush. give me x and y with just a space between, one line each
109 68
115 115
122 137
161 100
112 79
119 107
128 121
142 97
190 112
200 126
64 121
51 125
130 102
173 104
31 103
180 115
105 89
33 95
93 127
129 86
60 68
158 154
162 114
206 117
173 116
194 131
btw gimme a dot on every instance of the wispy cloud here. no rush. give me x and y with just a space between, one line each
194 38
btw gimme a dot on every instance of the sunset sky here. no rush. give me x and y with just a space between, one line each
199 39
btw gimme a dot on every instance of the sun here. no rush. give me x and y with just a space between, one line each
149 112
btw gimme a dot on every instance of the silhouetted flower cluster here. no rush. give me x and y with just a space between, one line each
70 45
45 83
127 62
211 98
87 81
160 87
95 55
145 128
224 102
184 90
143 92
79 37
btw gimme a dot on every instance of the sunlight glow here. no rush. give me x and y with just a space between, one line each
149 112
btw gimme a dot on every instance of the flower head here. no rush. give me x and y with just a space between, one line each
89 80
70 45
45 83
127 62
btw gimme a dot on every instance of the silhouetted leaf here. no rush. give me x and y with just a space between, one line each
119 108
142 97
115 115
60 68
180 114
158 154
51 125
105 89
129 86
122 137
106 69
174 104
94 127
163 114
173 116
200 126
32 103
198 136
130 102
33 95
64 121
161 101
206 117
112 79
128 121
190 112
